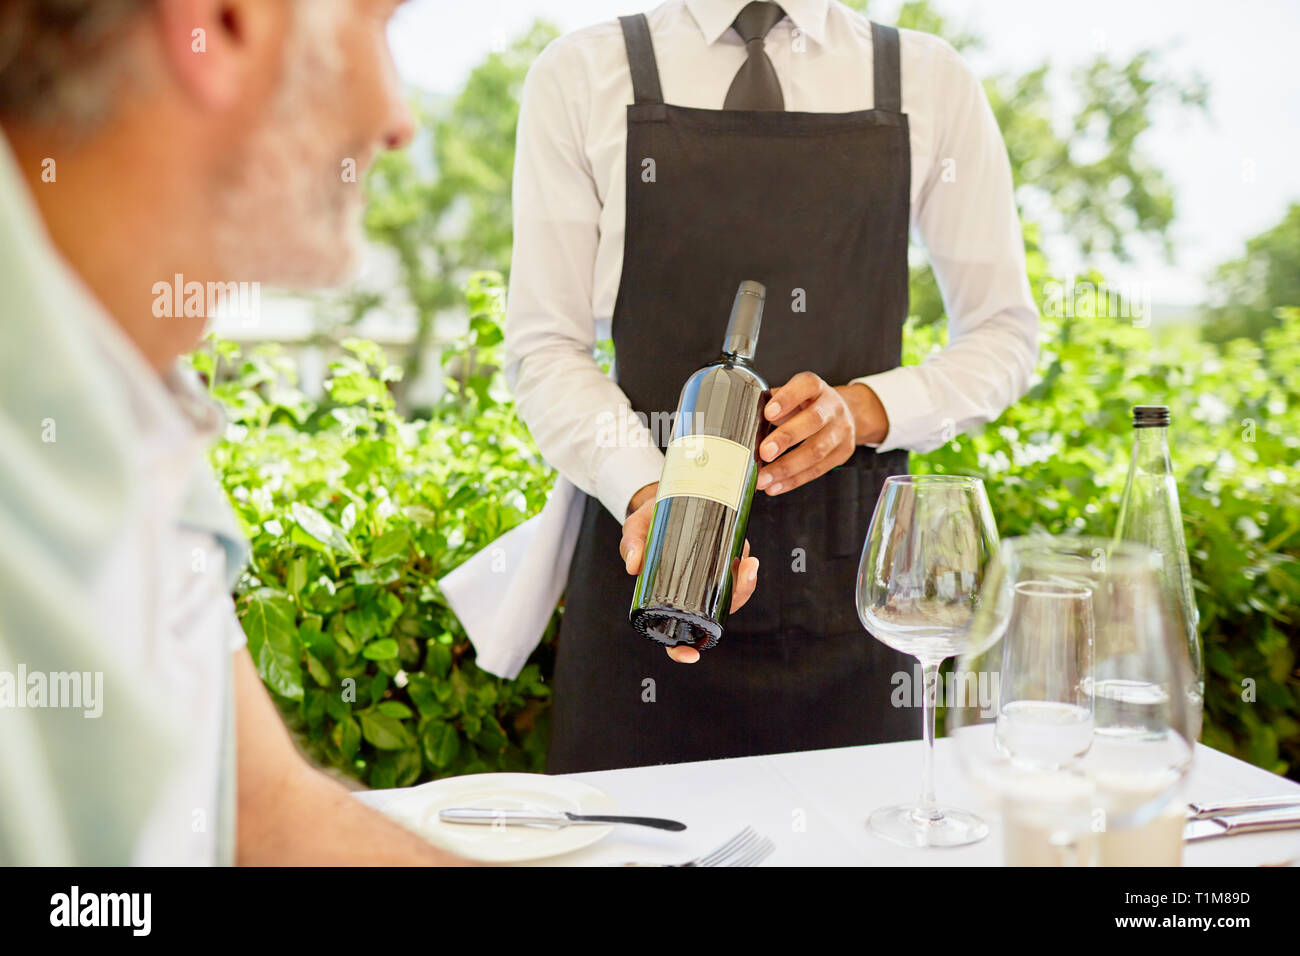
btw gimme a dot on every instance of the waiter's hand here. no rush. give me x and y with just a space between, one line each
816 428
632 549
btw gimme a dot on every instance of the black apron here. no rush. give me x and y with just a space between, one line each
815 206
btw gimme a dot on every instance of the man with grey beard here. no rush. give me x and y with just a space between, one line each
146 141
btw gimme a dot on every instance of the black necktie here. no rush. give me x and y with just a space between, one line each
756 86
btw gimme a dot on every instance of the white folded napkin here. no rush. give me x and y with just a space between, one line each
505 594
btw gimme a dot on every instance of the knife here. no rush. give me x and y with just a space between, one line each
1221 826
1204 811
547 818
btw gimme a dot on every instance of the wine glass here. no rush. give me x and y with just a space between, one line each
918 586
1088 736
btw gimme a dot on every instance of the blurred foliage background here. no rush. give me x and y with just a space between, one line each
356 507
354 512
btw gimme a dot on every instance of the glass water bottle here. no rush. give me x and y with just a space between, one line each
1149 514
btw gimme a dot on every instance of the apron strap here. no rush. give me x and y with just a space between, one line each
641 58
888 84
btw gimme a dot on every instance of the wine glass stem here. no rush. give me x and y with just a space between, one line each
930 674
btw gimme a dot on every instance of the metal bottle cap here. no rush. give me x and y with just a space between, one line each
1150 416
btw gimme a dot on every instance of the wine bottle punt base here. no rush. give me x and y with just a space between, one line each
674 628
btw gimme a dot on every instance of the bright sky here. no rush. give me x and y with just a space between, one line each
1234 173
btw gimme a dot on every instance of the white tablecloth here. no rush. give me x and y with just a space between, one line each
814 805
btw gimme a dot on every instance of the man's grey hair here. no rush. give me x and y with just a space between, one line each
63 60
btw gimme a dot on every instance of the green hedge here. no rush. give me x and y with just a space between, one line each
1056 461
354 513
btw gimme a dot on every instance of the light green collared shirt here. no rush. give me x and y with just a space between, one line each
102 482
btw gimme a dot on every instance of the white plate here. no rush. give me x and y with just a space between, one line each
418 808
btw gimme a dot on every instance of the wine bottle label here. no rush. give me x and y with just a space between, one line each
705 466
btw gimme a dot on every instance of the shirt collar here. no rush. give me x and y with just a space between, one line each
171 417
715 17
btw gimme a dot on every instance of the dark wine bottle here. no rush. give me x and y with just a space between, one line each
697 532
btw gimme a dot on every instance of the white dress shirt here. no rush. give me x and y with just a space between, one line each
569 193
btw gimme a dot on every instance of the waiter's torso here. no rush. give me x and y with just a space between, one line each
815 206
829 71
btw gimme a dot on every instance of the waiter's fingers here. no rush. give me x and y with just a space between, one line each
742 590
808 422
802 388
746 581
824 450
779 478
828 411
816 456
808 474
632 555
632 546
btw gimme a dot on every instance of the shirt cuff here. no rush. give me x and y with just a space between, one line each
907 406
623 473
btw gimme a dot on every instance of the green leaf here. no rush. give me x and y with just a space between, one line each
361 623
270 623
315 706
356 388
376 576
384 649
368 352
395 769
385 732
421 694
347 737
441 744
312 638
491 737
438 660
408 767
394 708
319 672
390 545
318 528
377 686
297 578
383 775
337 707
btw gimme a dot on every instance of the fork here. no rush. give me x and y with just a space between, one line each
746 848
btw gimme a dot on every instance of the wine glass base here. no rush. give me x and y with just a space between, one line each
910 826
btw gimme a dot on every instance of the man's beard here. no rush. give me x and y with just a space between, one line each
287 215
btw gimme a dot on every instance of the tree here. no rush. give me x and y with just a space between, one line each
443 205
1248 293
1090 180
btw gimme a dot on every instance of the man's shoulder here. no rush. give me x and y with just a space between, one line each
581 50
603 32
928 48
600 46
915 46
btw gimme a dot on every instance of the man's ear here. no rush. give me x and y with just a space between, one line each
216 49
